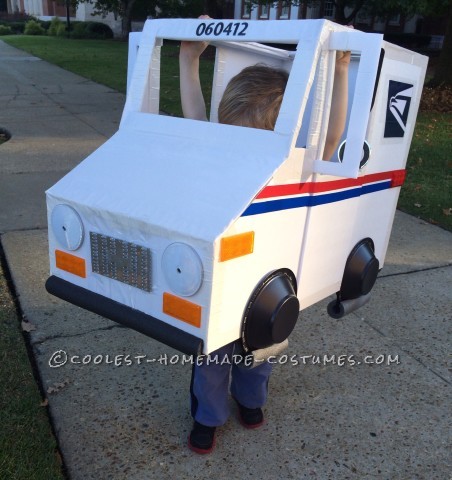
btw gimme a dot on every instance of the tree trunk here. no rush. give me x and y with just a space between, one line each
443 71
303 10
339 14
126 20
215 9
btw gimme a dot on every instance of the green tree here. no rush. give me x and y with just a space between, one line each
346 11
435 8
125 9
443 71
219 8
167 9
120 8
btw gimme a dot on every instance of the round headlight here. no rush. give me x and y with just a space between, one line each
182 269
67 227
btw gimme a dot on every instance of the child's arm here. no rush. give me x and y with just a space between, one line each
339 101
193 105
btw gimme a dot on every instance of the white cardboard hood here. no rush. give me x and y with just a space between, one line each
165 172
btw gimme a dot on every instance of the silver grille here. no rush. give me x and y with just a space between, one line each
123 261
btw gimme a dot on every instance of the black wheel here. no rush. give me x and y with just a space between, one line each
272 311
361 271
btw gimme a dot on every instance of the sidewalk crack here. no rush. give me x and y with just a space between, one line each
74 335
419 270
406 352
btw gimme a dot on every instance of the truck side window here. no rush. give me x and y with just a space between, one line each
324 128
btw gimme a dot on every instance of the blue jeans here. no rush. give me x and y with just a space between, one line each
209 387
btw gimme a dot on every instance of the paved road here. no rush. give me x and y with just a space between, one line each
324 421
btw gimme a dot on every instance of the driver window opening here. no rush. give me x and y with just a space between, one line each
170 99
263 78
326 116
317 123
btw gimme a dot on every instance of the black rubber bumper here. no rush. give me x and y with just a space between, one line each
127 316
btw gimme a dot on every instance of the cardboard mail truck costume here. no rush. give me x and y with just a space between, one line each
199 234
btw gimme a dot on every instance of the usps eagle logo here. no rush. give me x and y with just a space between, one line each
398 107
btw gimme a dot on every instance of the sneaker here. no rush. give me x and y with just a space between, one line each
250 417
202 438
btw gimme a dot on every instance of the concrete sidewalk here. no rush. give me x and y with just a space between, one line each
131 421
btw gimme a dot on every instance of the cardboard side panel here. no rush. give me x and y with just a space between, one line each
326 247
364 208
389 135
276 245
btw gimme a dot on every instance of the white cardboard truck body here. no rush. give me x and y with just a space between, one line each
182 220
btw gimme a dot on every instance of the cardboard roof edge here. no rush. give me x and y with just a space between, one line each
166 172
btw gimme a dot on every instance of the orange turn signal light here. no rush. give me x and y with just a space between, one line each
236 246
70 263
182 309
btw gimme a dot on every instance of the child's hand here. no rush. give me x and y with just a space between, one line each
193 50
342 59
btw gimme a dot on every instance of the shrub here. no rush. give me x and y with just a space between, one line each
45 24
32 27
53 27
16 27
92 30
4 30
79 30
61 30
98 30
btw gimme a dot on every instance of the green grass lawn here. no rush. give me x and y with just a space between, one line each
28 450
427 192
105 62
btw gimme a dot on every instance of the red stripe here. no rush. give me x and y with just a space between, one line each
397 178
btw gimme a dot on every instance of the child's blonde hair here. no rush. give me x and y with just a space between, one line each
253 97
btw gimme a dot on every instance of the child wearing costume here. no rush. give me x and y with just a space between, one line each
251 99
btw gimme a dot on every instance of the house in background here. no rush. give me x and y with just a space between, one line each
37 8
396 24
241 9
285 10
47 9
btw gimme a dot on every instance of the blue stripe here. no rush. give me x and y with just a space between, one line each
313 200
